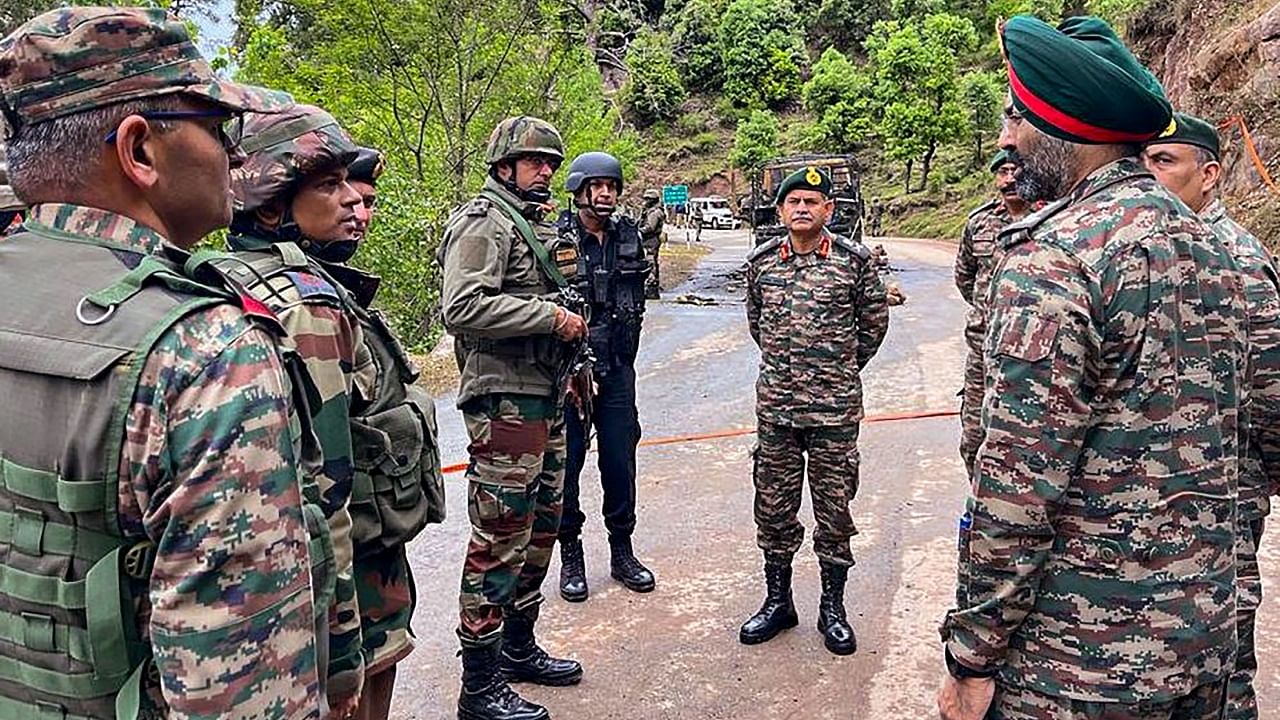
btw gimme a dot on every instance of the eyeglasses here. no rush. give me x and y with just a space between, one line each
540 159
229 133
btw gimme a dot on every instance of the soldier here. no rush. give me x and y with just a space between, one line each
155 555
816 307
652 237
293 206
1186 160
975 262
877 214
503 271
1098 564
398 485
612 273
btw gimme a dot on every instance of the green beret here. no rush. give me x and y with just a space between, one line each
809 178
1079 82
1000 158
1191 130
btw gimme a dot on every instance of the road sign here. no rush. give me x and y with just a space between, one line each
675 194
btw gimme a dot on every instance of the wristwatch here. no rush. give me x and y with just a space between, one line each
960 671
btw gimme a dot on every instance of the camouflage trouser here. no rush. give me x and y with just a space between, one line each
384 586
1242 701
779 480
653 283
1011 703
514 496
971 411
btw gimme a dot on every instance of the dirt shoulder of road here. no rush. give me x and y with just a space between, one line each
439 370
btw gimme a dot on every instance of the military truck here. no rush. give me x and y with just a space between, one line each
846 188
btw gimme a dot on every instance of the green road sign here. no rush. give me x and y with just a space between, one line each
675 194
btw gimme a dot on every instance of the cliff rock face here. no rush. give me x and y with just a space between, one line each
1221 59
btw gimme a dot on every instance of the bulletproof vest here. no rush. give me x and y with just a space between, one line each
614 287
399 487
77 329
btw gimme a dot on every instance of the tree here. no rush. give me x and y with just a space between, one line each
761 53
653 91
839 95
755 141
845 24
426 81
917 84
983 93
1048 10
697 51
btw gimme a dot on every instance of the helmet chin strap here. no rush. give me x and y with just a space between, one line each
533 195
590 205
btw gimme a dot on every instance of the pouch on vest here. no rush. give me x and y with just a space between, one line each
399 488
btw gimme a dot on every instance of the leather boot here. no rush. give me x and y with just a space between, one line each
573 572
778 612
524 661
832 622
626 569
486 695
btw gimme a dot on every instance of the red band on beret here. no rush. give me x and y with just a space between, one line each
1059 119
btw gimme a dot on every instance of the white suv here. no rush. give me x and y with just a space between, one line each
715 212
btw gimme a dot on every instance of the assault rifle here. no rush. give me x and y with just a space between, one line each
574 375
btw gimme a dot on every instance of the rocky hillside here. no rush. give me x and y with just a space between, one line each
1220 59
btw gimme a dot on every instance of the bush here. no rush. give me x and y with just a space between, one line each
755 141
653 91
696 48
761 53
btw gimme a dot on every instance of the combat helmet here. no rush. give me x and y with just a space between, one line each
651 195
589 166
282 149
520 135
367 166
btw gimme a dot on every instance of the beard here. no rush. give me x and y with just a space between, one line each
1048 168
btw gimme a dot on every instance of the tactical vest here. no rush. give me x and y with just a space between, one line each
74 337
397 487
614 288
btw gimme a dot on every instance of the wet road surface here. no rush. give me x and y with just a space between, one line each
674 653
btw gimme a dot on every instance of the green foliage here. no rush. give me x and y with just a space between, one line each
845 24
917 82
426 81
983 94
653 91
696 47
761 53
838 94
1115 11
755 141
1048 10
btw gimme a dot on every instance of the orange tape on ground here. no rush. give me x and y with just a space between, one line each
738 432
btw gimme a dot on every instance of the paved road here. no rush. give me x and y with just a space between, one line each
674 653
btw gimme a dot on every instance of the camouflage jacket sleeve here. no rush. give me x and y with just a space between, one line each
1041 353
966 270
754 301
327 339
478 257
1262 298
208 454
873 312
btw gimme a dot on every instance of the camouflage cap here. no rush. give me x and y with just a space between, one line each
519 135
70 60
283 148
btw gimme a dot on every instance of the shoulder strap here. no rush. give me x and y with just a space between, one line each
858 249
762 250
530 239
988 205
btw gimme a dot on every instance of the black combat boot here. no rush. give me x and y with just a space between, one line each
778 612
626 569
573 572
524 661
486 695
832 621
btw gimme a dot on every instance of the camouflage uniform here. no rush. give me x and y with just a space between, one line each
818 319
975 263
321 329
1100 558
192 480
1260 465
511 407
651 239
